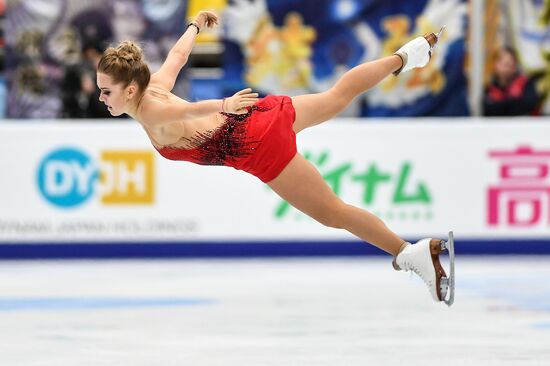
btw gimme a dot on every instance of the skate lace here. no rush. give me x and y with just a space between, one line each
409 266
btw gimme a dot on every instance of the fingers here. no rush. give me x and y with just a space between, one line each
253 100
245 91
247 103
243 96
248 97
208 18
243 99
211 19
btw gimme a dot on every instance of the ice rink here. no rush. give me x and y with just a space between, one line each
330 311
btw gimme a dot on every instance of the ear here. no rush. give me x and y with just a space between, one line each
131 90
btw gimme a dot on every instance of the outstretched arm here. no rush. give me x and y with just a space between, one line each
177 57
159 113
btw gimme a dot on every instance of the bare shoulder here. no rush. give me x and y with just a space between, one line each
159 106
159 80
156 80
152 102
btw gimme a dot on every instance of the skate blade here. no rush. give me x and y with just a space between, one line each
440 33
447 284
434 38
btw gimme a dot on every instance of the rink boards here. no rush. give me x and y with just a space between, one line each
99 187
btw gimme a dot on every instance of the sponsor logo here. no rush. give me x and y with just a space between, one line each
68 177
522 196
392 193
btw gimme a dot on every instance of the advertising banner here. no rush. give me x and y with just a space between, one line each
93 182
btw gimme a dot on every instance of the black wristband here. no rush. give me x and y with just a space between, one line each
194 25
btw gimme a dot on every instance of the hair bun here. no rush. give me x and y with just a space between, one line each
129 51
125 64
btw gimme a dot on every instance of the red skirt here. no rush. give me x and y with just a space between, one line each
260 142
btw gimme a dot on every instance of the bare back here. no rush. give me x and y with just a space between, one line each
173 131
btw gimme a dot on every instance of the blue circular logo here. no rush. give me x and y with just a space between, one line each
66 177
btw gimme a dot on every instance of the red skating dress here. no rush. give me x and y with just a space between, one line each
260 142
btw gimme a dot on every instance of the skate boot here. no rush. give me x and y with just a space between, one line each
422 258
418 52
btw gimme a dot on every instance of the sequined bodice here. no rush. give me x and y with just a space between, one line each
221 146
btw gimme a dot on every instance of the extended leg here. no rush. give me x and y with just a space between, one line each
301 185
312 109
304 188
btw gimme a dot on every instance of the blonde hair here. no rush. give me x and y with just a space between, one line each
125 64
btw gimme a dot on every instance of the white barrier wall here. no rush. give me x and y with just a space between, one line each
98 181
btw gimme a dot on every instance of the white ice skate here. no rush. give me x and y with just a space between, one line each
418 52
422 258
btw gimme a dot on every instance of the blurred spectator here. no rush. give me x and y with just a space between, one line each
3 91
79 93
3 96
510 92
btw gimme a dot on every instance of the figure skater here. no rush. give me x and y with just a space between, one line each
258 135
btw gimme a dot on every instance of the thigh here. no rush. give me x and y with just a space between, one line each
312 109
301 185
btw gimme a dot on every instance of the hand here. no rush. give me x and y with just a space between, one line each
206 18
238 103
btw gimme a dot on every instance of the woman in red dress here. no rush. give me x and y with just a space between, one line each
259 135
